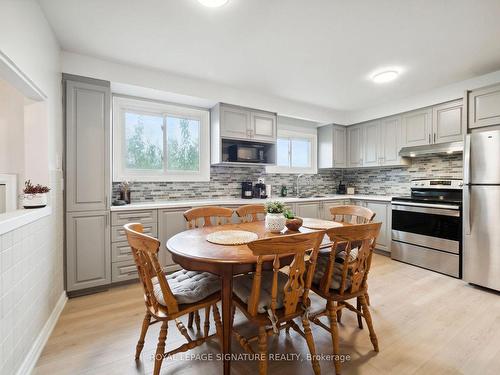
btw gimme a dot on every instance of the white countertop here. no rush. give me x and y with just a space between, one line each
234 201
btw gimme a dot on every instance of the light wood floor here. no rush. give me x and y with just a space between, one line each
426 324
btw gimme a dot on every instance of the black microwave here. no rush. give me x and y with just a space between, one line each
246 153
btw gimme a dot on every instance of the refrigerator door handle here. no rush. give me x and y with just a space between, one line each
466 208
467 160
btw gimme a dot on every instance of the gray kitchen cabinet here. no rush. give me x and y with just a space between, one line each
332 152
308 209
118 232
263 126
383 214
447 122
88 257
371 144
123 271
484 107
417 127
88 165
244 123
354 146
390 142
170 222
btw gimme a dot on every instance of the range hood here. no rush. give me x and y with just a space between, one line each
441 148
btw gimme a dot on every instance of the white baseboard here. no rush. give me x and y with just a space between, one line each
31 358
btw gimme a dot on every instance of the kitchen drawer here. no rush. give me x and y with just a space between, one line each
125 217
122 271
121 251
118 233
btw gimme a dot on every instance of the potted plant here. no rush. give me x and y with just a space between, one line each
275 218
293 222
34 196
125 191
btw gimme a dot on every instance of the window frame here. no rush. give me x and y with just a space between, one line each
149 107
296 134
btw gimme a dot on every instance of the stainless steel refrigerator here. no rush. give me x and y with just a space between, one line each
481 206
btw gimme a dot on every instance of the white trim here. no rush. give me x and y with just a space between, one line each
310 135
120 173
10 182
15 219
31 358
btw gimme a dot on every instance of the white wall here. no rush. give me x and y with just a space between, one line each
27 40
160 80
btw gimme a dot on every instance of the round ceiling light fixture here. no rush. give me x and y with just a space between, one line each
213 3
385 76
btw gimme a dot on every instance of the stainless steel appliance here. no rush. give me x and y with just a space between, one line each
248 153
427 226
482 208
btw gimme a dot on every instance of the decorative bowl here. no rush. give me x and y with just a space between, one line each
294 224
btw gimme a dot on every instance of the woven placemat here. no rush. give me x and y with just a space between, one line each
319 224
231 237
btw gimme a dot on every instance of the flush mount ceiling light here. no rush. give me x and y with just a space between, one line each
213 3
385 76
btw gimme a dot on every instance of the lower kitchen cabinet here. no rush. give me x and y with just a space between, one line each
123 271
170 222
309 209
383 214
325 208
88 255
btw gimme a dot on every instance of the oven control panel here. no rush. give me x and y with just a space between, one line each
437 184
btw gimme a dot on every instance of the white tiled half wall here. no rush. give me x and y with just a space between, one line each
31 270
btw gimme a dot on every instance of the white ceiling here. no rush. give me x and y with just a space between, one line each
320 52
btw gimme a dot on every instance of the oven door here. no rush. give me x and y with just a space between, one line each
434 226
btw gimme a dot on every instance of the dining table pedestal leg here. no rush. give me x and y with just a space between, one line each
227 297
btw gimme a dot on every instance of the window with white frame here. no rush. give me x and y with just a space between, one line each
296 152
155 141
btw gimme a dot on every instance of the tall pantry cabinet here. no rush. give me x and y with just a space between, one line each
88 183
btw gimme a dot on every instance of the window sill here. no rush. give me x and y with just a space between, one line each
10 221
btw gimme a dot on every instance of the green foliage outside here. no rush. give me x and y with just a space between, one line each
141 153
183 155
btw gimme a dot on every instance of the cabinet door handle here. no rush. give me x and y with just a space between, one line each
429 138
434 137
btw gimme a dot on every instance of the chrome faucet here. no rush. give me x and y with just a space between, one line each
297 185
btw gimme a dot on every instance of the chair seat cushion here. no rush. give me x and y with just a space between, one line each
242 288
188 286
321 269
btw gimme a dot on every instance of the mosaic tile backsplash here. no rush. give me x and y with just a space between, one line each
225 181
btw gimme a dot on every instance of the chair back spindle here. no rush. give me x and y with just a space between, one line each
207 216
300 274
352 214
354 272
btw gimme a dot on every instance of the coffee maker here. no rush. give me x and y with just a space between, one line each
259 189
246 190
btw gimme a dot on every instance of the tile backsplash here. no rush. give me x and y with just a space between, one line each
225 181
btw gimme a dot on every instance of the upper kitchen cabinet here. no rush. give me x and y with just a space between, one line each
332 147
244 123
87 144
390 142
484 107
417 127
371 144
447 122
242 136
354 146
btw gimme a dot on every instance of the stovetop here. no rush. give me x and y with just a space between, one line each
443 191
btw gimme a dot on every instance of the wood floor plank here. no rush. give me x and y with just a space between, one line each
426 323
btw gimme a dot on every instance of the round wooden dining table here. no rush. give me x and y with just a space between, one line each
191 250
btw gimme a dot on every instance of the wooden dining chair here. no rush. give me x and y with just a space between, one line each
338 282
352 214
271 298
205 217
168 297
251 212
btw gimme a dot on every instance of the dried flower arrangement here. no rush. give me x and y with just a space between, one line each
29 188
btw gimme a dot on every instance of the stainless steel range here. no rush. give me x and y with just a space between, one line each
427 226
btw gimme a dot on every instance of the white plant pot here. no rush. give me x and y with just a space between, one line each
35 200
275 223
